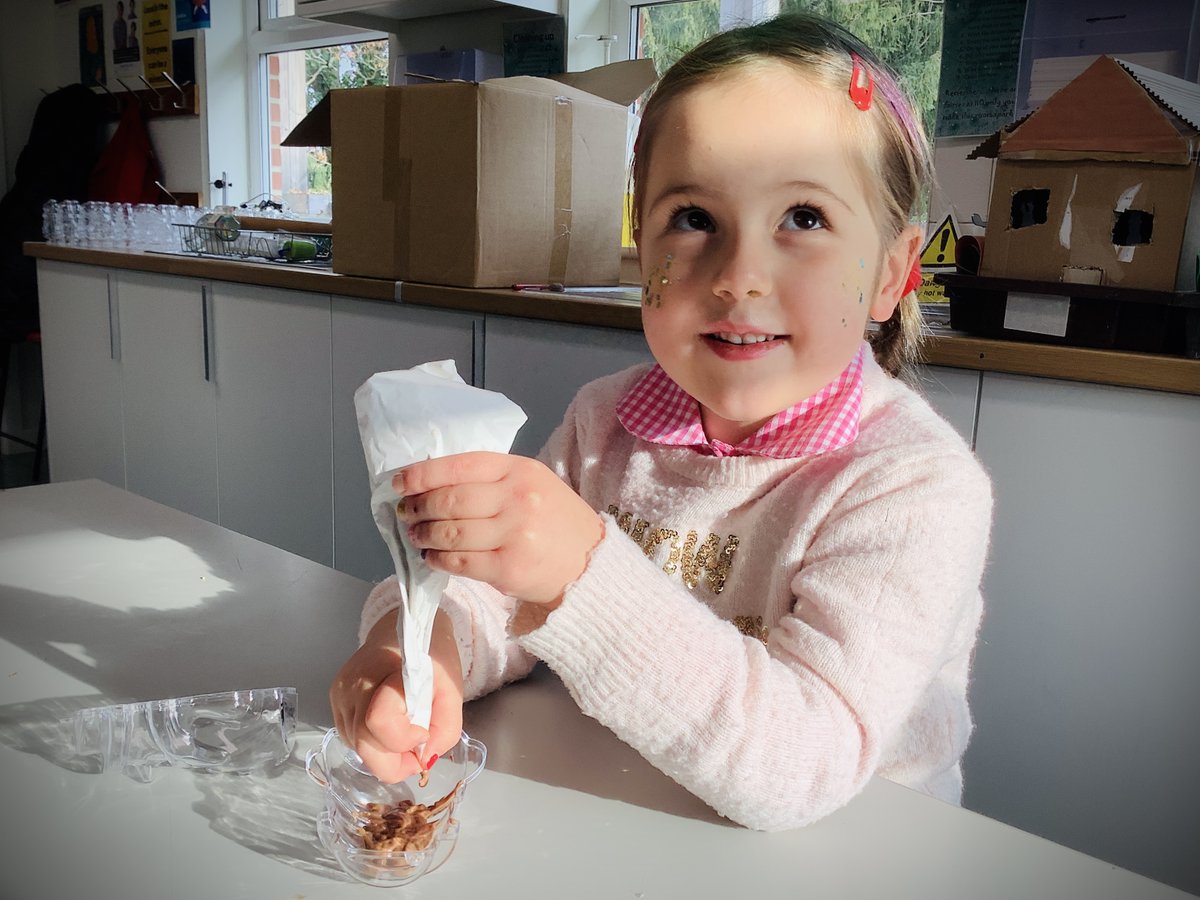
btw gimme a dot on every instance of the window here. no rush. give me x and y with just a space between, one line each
296 62
1132 226
906 34
1029 207
663 32
300 177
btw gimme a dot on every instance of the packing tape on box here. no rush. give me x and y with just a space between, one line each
397 181
564 128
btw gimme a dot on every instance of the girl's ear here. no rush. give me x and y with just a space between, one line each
898 262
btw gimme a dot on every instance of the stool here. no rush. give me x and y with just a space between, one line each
38 446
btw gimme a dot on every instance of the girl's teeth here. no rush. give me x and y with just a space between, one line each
731 338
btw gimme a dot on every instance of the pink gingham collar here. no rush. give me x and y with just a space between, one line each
658 410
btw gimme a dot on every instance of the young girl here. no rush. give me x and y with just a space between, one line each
758 561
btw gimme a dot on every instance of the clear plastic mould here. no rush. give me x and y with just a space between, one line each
354 798
231 731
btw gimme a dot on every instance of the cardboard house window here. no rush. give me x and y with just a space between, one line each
1133 226
1029 207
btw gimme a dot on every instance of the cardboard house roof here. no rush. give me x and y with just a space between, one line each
619 82
1113 110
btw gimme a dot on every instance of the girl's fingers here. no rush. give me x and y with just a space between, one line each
489 566
468 501
460 535
445 724
461 468
385 719
387 766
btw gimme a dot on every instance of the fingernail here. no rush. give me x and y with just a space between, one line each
400 507
424 553
398 482
429 763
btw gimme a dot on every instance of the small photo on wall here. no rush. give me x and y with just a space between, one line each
127 41
91 46
190 14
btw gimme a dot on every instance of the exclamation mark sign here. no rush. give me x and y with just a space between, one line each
945 240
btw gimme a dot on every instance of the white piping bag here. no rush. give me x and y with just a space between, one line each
405 417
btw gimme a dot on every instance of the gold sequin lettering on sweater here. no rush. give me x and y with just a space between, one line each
710 562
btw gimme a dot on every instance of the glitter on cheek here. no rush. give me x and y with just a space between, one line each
656 281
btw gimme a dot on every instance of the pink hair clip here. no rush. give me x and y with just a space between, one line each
862 85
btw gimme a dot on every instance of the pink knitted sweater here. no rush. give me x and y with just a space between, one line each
768 632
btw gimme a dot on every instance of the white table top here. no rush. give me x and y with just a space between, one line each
107 597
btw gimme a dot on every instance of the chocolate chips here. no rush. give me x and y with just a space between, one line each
407 826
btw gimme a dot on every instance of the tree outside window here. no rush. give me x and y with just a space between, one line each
297 81
906 34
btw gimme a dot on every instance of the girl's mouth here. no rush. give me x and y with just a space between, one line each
732 345
729 337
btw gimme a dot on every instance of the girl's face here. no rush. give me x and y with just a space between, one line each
760 248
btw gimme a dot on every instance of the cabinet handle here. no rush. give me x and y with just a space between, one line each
204 320
114 328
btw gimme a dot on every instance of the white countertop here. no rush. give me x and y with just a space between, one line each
107 597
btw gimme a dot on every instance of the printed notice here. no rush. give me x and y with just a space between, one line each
156 58
981 47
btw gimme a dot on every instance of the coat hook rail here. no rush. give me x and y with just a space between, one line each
153 101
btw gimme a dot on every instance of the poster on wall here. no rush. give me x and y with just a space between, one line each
126 39
156 40
190 14
535 46
91 46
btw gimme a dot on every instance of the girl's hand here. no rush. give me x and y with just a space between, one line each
369 711
505 520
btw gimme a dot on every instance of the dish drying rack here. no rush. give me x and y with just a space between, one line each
224 242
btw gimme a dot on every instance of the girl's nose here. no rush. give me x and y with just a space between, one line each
743 269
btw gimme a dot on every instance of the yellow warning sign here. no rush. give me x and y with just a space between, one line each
929 292
939 251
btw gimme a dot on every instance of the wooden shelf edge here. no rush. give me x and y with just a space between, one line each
1119 368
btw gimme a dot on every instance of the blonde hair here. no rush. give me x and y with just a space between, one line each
896 151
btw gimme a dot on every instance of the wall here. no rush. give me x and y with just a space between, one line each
39 54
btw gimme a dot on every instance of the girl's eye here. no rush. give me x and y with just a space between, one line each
804 218
691 219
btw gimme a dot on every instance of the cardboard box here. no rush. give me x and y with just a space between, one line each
1099 184
480 185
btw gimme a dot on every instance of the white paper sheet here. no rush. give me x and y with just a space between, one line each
405 417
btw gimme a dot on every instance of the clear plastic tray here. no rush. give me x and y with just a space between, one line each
231 731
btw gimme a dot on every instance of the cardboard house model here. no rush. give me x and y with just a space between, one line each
1099 184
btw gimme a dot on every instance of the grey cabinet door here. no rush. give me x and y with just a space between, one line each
81 366
1086 671
170 397
271 366
541 366
373 337
954 393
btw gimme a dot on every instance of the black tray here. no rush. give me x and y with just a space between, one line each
1099 316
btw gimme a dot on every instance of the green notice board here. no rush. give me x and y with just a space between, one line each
981 47
535 46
